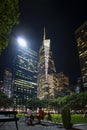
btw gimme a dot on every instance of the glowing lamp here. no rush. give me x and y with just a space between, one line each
21 42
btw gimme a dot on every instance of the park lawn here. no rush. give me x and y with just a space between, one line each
78 119
75 118
21 115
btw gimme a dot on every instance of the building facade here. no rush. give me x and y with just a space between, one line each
81 38
46 71
7 83
62 82
24 76
1 86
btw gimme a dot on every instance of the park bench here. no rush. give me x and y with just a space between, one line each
9 116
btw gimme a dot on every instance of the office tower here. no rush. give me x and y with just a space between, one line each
81 38
24 76
7 83
46 71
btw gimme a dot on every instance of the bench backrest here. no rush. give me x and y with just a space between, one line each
8 113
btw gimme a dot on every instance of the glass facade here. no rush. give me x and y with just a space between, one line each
24 76
81 38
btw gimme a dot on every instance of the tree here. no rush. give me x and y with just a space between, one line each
9 16
33 103
5 101
75 101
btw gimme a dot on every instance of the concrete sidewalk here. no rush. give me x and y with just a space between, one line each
24 126
81 126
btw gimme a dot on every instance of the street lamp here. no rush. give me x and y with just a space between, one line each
21 42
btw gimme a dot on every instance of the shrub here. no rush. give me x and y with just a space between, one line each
66 118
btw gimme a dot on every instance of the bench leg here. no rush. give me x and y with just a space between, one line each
16 124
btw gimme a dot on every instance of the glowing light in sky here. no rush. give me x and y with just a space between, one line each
21 42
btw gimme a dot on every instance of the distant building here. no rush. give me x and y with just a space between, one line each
63 80
46 71
24 76
62 85
1 86
81 38
79 87
7 83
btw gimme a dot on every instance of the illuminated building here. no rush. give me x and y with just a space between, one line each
7 83
46 71
62 82
24 76
81 38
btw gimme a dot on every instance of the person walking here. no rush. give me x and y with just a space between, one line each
41 115
30 116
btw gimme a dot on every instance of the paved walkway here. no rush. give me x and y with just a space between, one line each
24 126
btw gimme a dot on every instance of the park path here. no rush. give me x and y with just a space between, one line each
24 126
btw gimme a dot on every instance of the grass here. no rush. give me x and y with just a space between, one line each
75 118
20 115
78 119
56 118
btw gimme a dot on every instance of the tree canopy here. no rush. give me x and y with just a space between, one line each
75 101
5 101
9 16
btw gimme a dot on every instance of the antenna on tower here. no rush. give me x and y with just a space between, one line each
44 36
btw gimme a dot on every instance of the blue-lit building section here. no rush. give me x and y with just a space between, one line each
24 76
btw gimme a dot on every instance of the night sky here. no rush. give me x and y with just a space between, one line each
61 18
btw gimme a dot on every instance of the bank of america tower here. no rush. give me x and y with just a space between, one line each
46 71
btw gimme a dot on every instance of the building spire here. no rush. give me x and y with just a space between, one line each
44 36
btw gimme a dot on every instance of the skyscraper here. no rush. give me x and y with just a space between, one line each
46 70
24 76
81 38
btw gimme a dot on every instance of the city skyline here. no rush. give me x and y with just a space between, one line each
60 20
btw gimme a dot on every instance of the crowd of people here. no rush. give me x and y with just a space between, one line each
39 116
31 115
